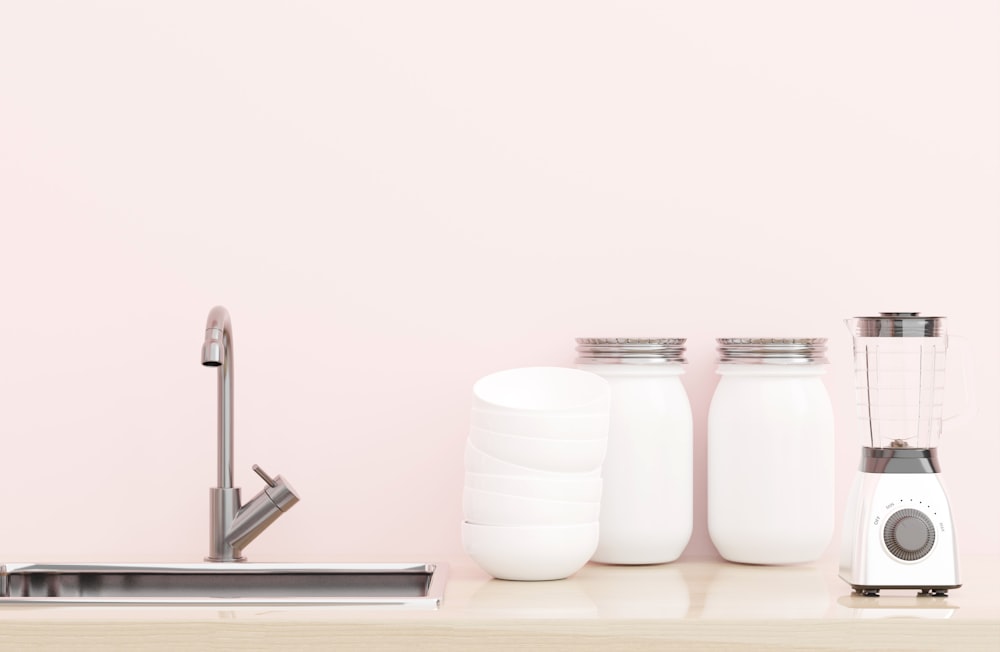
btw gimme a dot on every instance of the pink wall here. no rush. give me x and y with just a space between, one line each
395 198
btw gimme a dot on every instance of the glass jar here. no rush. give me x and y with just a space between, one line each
647 500
771 452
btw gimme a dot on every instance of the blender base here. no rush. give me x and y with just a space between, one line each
898 534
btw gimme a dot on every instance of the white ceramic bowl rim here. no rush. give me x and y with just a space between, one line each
548 527
517 470
562 455
556 478
597 415
528 440
535 389
545 502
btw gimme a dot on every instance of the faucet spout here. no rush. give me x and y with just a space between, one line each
232 524
217 351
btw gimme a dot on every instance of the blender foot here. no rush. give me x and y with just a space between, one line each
937 593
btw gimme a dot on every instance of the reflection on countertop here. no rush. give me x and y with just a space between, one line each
896 606
766 592
712 589
597 591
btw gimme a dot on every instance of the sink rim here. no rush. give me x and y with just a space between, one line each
432 598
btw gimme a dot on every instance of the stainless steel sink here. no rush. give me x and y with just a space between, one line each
405 585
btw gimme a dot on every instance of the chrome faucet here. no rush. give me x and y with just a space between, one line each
234 525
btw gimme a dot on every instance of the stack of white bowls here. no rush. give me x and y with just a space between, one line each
533 471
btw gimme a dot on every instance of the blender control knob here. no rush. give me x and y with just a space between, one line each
909 534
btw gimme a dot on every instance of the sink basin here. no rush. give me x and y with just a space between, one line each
405 585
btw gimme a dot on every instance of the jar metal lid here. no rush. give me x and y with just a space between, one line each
898 324
772 350
630 350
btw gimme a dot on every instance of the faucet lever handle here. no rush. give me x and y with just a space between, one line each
264 476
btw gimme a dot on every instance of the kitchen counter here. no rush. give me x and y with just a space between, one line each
690 605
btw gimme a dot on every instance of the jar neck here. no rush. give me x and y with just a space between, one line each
625 369
771 369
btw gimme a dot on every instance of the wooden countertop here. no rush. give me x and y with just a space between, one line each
689 605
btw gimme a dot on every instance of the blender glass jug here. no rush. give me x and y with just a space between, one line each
898 530
899 368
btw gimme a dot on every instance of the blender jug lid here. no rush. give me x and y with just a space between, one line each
899 324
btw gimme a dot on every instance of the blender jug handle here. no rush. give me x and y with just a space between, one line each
970 406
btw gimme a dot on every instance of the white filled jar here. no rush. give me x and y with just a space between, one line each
771 452
647 501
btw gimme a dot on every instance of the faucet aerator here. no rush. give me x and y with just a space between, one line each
211 353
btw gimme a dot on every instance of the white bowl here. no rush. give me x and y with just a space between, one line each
566 487
549 426
476 461
530 553
543 389
562 455
489 508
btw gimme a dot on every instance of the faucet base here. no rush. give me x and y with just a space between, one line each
222 511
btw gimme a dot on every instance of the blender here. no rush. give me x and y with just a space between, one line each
898 531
